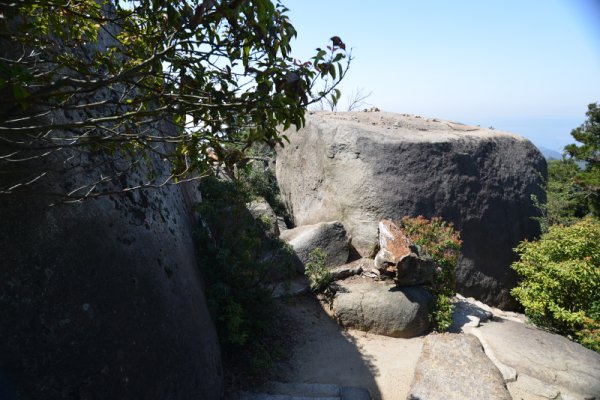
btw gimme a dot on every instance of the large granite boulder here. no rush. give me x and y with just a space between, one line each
330 237
382 308
360 168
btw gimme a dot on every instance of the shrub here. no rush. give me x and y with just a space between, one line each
560 287
237 259
260 180
441 242
316 271
566 203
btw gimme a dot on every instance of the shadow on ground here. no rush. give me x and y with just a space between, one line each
322 352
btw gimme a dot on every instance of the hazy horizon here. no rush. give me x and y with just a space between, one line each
530 68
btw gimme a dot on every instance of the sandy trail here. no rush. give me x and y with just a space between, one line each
325 353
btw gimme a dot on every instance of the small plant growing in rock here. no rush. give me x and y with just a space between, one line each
560 287
316 271
266 222
438 239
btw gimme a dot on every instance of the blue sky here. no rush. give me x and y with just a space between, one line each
526 66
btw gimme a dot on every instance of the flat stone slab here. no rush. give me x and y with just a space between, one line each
355 267
552 359
454 366
382 308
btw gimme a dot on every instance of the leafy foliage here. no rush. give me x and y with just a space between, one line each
219 70
441 242
238 260
261 180
316 271
560 288
566 203
588 134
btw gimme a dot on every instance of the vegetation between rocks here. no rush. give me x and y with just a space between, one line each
560 286
441 242
239 261
317 272
560 289
565 202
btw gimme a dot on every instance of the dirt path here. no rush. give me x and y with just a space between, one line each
325 353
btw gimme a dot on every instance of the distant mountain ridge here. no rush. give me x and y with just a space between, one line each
550 154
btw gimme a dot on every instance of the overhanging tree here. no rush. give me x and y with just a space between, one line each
89 77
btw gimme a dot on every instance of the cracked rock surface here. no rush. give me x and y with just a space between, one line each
454 366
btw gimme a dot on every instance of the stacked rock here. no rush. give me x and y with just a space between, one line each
396 304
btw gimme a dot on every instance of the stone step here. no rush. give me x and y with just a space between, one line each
304 391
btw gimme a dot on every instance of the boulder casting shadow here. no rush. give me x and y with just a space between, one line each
384 309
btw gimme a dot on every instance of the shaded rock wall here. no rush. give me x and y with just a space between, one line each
360 168
102 299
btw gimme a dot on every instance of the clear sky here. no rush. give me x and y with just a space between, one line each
525 66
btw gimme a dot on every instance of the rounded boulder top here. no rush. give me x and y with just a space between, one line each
408 127
362 167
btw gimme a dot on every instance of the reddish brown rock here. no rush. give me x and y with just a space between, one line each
398 259
393 245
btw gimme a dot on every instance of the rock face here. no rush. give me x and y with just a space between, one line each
102 299
330 237
360 168
454 367
383 309
545 363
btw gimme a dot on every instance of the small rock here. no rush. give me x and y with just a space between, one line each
465 311
415 270
330 237
393 244
347 270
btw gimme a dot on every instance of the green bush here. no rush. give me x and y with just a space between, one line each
560 287
238 260
316 271
440 241
566 203
260 181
